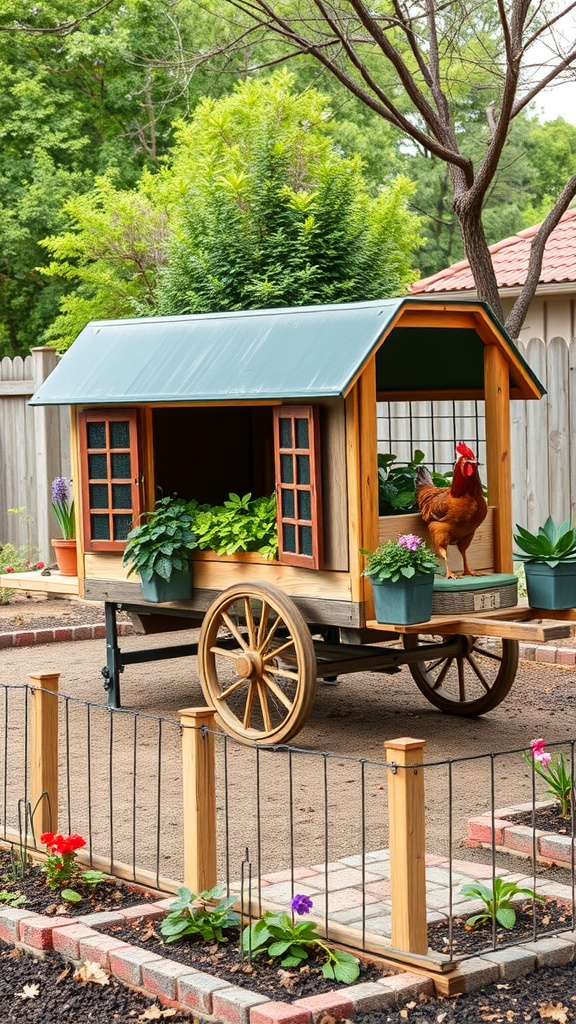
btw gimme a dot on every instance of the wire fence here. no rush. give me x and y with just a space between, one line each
342 830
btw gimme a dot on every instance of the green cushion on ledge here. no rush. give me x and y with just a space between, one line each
497 579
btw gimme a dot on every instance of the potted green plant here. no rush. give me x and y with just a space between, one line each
402 575
549 558
65 546
159 547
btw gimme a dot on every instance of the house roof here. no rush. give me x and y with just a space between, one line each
297 353
510 260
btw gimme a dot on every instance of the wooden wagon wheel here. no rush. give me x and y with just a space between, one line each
471 683
262 683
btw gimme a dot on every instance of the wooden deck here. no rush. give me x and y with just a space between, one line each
55 583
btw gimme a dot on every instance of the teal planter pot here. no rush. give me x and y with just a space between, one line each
177 588
551 587
405 601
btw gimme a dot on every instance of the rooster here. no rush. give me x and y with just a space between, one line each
453 514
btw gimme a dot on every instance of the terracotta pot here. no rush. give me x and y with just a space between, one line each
66 556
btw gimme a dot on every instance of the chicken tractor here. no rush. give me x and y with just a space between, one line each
305 405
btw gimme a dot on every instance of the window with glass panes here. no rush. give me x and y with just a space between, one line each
297 455
110 477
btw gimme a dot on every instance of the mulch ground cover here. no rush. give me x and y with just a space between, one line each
262 974
31 891
546 819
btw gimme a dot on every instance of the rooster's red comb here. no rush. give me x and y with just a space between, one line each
464 450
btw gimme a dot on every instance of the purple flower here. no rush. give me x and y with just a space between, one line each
60 493
410 541
301 904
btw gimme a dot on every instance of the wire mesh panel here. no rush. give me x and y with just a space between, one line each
434 428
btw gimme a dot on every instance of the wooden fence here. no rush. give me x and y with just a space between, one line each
35 445
34 448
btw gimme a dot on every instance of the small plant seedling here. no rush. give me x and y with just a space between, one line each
12 899
497 901
207 914
277 935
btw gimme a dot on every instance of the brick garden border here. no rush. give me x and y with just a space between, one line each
60 634
207 997
510 837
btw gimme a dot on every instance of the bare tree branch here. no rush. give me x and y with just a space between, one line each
62 28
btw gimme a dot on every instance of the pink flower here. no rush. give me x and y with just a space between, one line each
9 568
542 757
39 565
537 746
410 541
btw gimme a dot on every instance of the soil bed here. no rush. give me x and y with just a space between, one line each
552 916
546 819
109 894
57 998
263 975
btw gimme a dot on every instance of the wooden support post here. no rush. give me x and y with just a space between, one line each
199 793
499 473
46 454
44 751
407 844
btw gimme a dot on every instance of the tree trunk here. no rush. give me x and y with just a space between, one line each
477 252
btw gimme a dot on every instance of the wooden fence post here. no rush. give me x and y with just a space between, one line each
199 792
407 844
44 750
46 454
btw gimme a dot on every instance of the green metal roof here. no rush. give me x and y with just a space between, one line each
303 353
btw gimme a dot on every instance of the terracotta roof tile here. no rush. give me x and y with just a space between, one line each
510 258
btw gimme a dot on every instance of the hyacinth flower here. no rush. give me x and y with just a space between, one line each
554 772
63 505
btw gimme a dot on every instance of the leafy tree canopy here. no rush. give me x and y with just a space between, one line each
254 207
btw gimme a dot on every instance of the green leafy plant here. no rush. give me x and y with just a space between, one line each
554 772
404 557
497 901
278 935
162 541
397 483
12 899
207 914
240 524
551 544
14 560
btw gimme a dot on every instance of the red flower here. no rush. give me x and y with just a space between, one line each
9 568
72 843
39 565
47 838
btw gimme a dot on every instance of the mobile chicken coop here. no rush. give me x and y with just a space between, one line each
286 401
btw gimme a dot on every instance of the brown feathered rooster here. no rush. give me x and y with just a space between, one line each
453 514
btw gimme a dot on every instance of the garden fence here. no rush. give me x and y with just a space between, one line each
34 449
35 444
163 802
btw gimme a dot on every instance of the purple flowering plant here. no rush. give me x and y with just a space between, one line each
401 558
63 505
554 772
279 935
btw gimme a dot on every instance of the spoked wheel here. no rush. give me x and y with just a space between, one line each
257 664
468 683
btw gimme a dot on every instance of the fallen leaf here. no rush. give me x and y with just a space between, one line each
410 1006
29 992
90 971
287 979
63 974
155 1013
554 1011
404 1014
149 932
546 919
